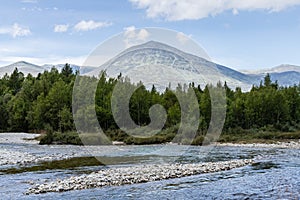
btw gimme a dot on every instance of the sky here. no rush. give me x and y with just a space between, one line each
240 34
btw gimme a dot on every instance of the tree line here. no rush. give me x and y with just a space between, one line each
34 104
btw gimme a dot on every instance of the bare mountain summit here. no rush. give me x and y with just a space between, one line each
160 64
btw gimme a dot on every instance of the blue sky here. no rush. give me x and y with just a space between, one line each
245 35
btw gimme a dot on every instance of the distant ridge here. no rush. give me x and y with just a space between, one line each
279 69
29 68
23 67
158 63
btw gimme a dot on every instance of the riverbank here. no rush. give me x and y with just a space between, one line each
293 144
258 136
9 157
25 150
168 136
135 174
24 156
18 138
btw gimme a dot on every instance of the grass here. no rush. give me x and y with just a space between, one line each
168 135
56 164
259 137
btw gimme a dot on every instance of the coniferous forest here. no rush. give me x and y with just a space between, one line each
44 104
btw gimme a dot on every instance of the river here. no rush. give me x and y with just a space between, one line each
274 175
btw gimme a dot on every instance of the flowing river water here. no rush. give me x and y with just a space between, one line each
275 174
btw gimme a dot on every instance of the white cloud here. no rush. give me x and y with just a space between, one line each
174 10
90 25
15 30
132 36
29 1
60 28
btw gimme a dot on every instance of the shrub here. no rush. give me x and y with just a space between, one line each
198 140
48 138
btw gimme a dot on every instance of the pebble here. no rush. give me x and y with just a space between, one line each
134 175
10 156
283 145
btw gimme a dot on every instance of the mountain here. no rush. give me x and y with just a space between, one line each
34 70
22 66
81 69
160 64
286 75
287 78
278 69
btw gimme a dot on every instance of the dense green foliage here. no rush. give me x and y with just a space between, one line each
36 104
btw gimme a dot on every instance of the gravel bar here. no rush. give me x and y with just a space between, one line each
281 145
135 174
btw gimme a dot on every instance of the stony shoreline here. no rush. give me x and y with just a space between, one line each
135 174
9 157
18 138
22 156
284 145
16 157
113 176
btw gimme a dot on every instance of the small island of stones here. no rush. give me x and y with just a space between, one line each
135 174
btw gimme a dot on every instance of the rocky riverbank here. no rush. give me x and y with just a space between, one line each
290 144
9 157
18 138
22 153
135 174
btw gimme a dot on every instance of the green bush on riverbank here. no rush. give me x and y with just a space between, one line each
258 136
247 136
